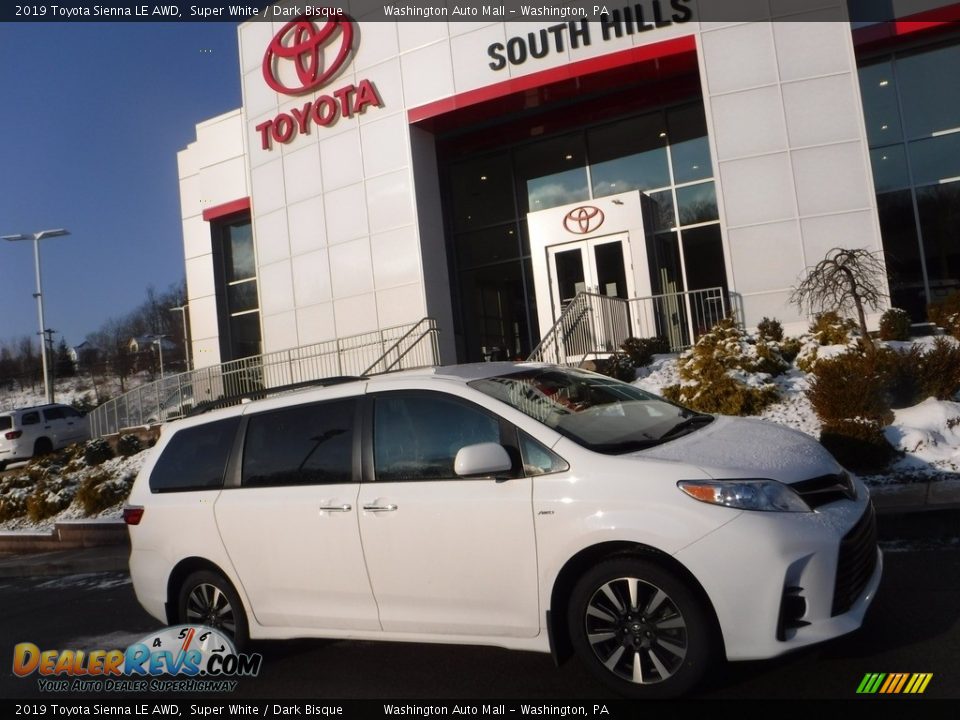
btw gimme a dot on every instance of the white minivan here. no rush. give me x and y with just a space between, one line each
528 506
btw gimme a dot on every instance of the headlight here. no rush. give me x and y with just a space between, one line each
768 495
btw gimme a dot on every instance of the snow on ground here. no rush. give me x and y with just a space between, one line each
928 434
69 390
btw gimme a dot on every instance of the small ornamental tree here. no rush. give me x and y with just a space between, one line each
847 279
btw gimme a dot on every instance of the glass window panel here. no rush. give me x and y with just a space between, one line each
552 172
304 445
889 168
487 246
697 203
482 192
195 458
53 414
703 258
238 259
417 437
878 92
245 335
930 90
538 459
495 320
242 296
629 155
689 147
660 208
935 159
939 207
30 418
902 252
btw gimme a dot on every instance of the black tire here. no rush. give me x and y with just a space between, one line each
207 598
42 447
665 627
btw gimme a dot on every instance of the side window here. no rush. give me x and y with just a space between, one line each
304 445
416 437
53 414
195 458
69 412
538 459
30 418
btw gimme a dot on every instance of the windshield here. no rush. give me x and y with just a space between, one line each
595 411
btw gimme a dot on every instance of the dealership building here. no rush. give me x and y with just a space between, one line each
483 172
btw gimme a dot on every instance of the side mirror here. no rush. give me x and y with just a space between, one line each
483 459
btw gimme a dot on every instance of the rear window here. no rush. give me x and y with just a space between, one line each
195 458
6 422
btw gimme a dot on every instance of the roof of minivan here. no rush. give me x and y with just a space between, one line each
463 373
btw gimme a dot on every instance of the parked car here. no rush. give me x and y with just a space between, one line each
32 431
526 506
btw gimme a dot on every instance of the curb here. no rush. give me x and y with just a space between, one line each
67 535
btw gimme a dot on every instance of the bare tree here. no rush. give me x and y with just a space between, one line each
846 279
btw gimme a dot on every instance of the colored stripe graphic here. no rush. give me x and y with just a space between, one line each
894 683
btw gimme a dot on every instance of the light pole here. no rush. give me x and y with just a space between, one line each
37 237
158 341
182 309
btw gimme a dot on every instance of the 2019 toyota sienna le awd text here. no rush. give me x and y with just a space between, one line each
526 506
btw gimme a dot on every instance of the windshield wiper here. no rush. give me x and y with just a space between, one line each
688 424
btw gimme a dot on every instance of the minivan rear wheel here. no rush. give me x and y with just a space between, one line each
640 629
207 598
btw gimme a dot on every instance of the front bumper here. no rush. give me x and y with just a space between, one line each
749 565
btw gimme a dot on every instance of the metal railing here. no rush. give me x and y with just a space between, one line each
172 397
594 325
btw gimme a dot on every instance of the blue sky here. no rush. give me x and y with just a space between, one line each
92 118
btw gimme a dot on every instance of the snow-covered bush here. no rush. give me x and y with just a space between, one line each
620 367
97 451
128 445
895 325
826 329
642 350
101 490
726 373
946 314
770 329
49 497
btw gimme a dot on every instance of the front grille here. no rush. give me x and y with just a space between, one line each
825 489
856 562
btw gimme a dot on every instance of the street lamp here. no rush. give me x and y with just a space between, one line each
182 309
158 341
37 237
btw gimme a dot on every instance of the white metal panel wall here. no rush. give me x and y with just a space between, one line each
790 152
212 172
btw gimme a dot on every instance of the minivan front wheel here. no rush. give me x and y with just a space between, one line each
640 629
207 598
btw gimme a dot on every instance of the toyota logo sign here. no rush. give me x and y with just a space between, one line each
302 42
584 219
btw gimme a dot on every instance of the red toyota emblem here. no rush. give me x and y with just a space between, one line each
584 219
301 41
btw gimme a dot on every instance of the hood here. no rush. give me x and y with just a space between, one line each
738 447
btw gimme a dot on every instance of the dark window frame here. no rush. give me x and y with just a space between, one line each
235 481
229 458
507 431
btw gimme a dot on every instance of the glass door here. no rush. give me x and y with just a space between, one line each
597 267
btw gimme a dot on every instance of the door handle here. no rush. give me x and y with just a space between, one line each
380 508
345 507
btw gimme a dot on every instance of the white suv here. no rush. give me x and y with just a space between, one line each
32 431
527 506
